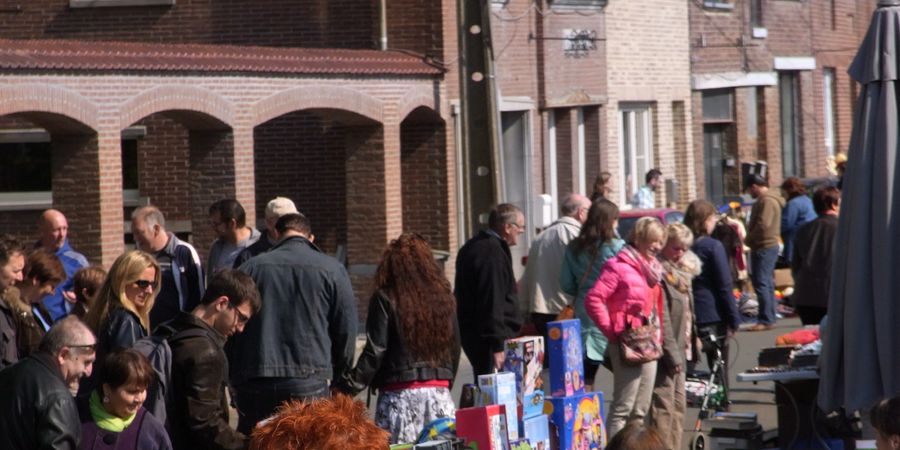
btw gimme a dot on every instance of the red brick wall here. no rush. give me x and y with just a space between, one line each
416 25
299 154
592 141
76 186
278 23
424 181
211 179
163 170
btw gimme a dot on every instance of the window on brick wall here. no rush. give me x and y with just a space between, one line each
719 4
789 94
756 13
828 91
117 3
593 4
26 168
718 105
636 146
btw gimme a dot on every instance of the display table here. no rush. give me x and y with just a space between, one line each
795 395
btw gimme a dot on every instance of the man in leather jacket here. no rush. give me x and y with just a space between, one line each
36 394
199 416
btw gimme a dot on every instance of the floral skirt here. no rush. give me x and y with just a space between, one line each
405 413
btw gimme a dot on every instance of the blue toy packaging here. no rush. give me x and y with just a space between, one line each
566 358
579 421
532 404
500 389
537 431
525 358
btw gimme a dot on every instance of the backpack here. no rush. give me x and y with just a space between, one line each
157 349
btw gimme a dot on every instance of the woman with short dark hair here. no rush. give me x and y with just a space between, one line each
43 272
112 417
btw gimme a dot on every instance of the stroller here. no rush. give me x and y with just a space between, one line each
715 396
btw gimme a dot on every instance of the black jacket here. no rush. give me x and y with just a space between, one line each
811 264
307 325
385 359
37 408
486 303
198 419
713 299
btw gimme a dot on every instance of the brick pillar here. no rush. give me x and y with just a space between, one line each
424 174
812 142
87 188
212 178
565 158
770 134
244 175
393 191
367 205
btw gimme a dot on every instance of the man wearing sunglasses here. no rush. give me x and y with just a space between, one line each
36 394
199 416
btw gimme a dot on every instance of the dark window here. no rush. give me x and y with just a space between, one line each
25 167
756 13
718 105
129 164
790 124
579 3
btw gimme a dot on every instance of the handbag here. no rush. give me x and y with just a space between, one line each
639 345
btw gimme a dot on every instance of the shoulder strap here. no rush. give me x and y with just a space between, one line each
594 255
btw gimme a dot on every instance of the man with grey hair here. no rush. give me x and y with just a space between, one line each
181 283
540 293
36 394
487 309
276 208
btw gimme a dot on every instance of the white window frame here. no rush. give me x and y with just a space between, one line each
551 156
828 76
630 113
580 158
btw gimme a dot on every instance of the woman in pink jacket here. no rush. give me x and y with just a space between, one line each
627 291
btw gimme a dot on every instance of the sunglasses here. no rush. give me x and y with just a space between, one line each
143 284
91 347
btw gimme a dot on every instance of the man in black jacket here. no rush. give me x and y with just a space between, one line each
36 394
305 335
486 304
813 251
199 417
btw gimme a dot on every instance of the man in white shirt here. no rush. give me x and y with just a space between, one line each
645 197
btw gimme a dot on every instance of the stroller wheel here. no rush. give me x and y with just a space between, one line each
698 442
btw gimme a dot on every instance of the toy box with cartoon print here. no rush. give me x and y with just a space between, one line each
500 389
566 358
483 427
579 421
525 358
537 430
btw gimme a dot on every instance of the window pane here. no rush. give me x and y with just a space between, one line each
25 167
129 164
789 113
828 101
717 105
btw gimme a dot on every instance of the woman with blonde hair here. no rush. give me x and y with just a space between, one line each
680 266
121 312
626 295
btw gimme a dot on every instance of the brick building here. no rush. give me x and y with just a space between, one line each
108 104
649 108
770 83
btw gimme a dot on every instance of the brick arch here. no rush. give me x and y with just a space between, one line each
316 97
27 98
167 98
417 98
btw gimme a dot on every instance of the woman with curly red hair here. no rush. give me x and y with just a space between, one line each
412 351
338 422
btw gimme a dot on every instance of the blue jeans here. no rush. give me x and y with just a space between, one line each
762 275
258 398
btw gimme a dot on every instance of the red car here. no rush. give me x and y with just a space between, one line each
629 217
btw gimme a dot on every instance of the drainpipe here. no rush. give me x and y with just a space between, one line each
382 25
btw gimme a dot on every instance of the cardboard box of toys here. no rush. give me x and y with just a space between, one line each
500 389
566 358
537 430
483 427
525 358
532 405
579 421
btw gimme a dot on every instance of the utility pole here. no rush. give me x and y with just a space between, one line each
481 139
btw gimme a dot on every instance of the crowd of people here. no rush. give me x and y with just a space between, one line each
678 278
268 325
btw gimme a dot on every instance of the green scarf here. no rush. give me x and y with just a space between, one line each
105 420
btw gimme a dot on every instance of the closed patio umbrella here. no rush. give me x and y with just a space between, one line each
861 340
